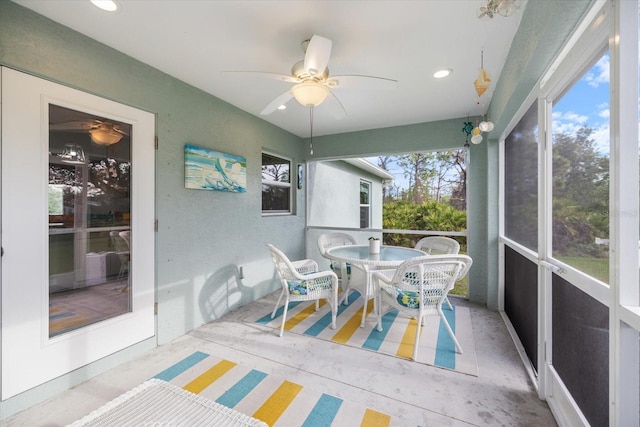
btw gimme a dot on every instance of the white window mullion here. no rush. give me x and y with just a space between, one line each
624 347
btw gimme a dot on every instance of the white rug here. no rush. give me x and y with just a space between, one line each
159 403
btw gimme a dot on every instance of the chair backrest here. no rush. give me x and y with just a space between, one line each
329 240
283 265
438 245
119 243
434 274
126 235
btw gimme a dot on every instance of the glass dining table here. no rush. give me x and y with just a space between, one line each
359 256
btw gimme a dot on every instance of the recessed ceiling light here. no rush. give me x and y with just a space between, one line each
282 107
108 5
442 73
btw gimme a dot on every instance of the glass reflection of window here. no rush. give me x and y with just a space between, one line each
581 173
89 217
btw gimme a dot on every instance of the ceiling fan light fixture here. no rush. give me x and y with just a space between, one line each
310 93
442 73
105 136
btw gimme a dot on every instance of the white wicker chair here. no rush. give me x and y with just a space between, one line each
342 270
301 281
122 250
418 287
438 245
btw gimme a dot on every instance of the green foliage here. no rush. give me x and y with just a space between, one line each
404 215
580 195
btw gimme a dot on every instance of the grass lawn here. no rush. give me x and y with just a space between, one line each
595 267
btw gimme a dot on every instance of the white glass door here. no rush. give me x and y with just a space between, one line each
77 229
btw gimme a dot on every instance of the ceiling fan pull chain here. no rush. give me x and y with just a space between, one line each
311 125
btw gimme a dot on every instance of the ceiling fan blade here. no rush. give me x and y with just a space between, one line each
317 56
77 125
273 105
335 107
267 75
361 82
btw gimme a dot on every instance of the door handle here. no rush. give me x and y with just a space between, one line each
551 267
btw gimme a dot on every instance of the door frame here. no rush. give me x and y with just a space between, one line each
29 356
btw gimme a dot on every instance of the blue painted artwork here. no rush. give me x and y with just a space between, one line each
206 169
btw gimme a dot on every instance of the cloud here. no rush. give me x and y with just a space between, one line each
569 116
599 73
601 138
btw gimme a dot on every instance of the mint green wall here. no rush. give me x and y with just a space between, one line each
203 236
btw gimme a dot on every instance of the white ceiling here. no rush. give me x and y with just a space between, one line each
195 41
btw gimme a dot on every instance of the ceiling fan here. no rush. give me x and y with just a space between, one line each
500 7
101 132
312 83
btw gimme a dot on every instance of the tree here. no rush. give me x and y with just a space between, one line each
580 194
416 170
383 163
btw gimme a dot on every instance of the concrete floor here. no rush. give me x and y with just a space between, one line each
417 394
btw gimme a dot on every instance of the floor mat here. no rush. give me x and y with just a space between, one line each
396 339
274 400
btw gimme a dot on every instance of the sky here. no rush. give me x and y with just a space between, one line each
586 104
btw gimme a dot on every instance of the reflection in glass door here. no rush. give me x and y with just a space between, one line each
89 219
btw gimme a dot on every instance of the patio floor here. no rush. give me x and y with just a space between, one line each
414 393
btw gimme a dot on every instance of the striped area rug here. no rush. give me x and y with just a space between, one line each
397 337
276 401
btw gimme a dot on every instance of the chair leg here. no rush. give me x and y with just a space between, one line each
417 340
277 304
378 308
345 296
446 300
344 282
284 316
451 334
334 310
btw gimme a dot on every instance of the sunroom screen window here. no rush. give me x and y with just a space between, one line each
521 181
581 173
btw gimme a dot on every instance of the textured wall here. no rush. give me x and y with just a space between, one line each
203 236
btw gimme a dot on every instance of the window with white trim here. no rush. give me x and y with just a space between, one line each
276 185
365 204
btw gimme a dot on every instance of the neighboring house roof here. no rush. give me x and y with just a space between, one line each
371 168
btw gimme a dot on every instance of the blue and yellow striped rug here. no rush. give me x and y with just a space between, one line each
276 401
396 339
